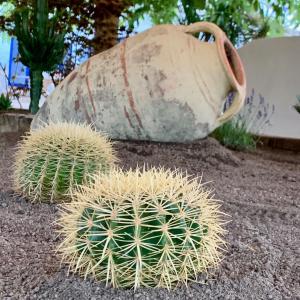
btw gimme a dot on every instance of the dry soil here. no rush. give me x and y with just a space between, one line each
259 190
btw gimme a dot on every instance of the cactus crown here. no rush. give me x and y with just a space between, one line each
40 45
51 160
153 229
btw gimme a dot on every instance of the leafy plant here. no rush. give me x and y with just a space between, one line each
153 228
241 133
297 106
41 49
241 20
5 102
234 135
98 19
51 160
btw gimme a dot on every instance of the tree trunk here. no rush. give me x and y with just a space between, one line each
106 18
36 85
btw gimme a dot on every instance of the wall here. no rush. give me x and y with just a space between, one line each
4 59
273 70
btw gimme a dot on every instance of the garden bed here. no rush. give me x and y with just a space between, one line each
259 190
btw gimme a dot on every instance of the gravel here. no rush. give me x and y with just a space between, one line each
259 190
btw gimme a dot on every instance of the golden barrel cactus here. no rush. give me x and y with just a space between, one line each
154 228
51 160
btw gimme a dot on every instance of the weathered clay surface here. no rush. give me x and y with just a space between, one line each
160 85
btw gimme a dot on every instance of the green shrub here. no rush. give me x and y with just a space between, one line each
234 135
241 133
5 102
154 228
51 160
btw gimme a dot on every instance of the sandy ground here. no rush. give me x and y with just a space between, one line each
259 190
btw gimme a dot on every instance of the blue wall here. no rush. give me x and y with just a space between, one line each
4 51
4 60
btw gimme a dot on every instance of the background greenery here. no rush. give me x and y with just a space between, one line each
96 25
242 20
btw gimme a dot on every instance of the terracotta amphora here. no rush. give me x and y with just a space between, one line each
161 85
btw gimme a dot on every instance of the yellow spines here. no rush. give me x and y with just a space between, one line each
152 228
51 160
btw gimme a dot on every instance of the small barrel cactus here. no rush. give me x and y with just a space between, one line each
154 228
51 160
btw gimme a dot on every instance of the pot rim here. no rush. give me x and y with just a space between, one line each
232 62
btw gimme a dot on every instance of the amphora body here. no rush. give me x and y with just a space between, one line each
162 85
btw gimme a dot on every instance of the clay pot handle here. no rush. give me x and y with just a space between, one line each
237 81
234 108
205 27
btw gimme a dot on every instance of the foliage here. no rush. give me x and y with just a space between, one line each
234 135
256 112
241 133
5 102
40 48
93 24
237 19
297 106
51 160
153 228
160 12
242 20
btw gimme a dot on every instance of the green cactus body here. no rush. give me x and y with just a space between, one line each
152 229
52 160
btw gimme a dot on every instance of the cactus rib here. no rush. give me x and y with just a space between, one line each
52 160
155 229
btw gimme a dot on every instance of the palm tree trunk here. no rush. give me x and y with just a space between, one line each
106 18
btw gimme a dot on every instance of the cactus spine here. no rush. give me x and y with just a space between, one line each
41 49
51 160
154 228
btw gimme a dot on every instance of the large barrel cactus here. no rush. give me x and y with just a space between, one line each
154 228
50 161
